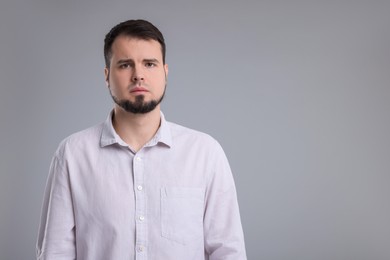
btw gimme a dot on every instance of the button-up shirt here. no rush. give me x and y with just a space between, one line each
174 199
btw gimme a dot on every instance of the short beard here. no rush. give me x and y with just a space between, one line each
139 106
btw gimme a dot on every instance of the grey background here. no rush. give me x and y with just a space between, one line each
297 93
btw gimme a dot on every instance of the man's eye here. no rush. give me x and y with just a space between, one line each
150 65
124 66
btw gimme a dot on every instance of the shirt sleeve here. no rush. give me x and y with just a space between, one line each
56 237
224 238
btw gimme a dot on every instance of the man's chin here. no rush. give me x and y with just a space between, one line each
139 105
138 108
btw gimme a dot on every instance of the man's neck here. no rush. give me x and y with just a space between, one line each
136 129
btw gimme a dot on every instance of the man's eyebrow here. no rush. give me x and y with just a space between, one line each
125 61
152 60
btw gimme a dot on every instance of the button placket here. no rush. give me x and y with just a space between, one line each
140 207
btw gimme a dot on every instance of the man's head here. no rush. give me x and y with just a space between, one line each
136 72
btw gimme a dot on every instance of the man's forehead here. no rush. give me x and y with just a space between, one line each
127 44
125 39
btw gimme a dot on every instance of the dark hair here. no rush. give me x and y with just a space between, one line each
139 29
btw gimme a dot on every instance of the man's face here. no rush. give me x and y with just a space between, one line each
137 76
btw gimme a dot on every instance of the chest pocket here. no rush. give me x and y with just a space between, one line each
182 214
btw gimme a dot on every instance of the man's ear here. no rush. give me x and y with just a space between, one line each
107 75
166 70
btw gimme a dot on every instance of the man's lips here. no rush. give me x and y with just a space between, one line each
138 89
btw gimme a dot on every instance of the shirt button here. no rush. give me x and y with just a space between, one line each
139 187
138 158
142 218
141 248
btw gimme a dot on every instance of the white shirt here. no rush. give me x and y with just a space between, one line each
174 199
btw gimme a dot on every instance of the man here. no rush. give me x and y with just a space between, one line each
137 186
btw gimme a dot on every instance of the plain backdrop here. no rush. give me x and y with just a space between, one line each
297 93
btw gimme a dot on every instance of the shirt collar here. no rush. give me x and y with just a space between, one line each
109 135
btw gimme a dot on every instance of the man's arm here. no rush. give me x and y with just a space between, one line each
56 237
224 237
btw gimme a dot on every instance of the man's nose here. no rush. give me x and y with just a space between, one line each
137 75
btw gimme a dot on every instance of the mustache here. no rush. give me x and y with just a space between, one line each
137 85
